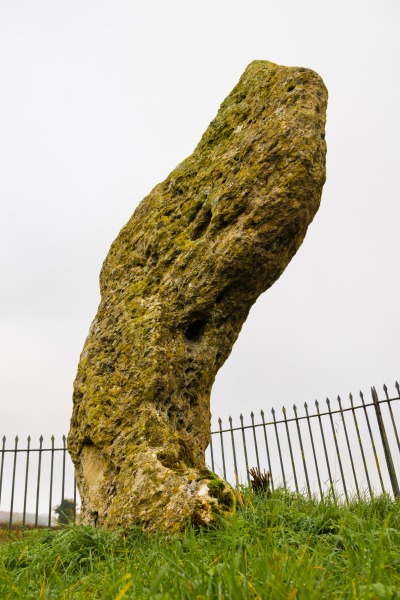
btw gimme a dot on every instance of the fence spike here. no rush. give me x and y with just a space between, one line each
305 405
294 408
41 439
397 387
328 403
385 388
262 413
273 411
29 438
317 404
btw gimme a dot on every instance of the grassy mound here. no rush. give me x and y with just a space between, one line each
281 546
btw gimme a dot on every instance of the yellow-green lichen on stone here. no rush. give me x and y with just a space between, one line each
176 288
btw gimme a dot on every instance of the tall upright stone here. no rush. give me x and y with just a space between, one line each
176 288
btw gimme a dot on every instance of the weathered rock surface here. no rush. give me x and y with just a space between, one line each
176 288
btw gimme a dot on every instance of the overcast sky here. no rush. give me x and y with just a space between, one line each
101 99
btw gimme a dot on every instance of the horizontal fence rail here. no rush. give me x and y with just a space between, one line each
342 449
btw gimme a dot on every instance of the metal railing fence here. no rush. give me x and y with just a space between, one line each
347 450
29 488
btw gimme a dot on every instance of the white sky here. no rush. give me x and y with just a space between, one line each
100 100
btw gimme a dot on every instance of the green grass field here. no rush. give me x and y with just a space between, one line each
282 546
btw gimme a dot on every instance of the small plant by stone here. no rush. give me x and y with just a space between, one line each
260 481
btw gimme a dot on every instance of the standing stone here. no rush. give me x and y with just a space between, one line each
176 288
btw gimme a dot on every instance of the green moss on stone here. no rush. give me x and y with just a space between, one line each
177 286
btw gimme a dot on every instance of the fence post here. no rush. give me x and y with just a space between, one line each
64 439
290 449
38 480
26 478
279 448
353 410
328 402
13 485
234 452
267 448
212 454
222 446
2 464
51 480
255 440
313 449
389 401
348 446
245 450
385 444
302 450
332 484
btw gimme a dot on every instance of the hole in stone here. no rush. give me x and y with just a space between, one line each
202 224
194 332
290 88
193 401
227 292
220 296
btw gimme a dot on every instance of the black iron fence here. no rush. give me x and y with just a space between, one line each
34 480
347 449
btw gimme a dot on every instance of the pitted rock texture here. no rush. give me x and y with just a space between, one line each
176 288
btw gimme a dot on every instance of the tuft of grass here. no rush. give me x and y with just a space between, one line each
279 546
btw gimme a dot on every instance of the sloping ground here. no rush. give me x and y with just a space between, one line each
282 546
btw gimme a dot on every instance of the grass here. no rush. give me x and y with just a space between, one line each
281 546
